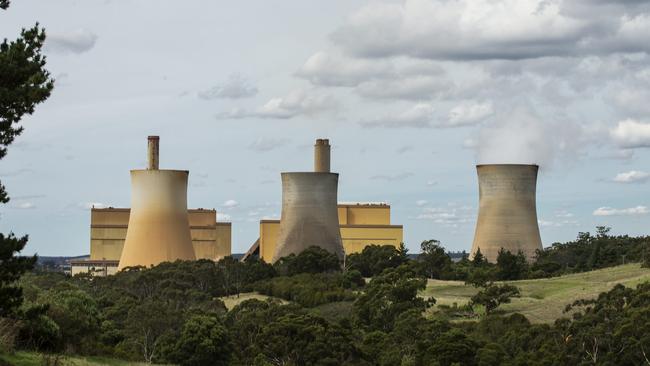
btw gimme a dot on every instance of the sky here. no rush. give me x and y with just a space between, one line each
412 95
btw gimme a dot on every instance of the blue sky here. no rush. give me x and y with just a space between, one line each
412 94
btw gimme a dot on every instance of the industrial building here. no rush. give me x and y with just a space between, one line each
311 216
360 225
157 228
507 214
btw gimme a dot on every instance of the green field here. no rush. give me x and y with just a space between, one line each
36 359
543 300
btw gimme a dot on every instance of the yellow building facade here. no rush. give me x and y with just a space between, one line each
108 226
361 224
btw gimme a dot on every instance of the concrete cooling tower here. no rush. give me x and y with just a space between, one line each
507 214
159 229
309 208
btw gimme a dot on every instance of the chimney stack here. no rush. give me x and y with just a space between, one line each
152 152
322 156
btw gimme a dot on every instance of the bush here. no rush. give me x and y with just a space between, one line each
310 260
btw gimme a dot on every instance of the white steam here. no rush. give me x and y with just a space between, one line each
519 136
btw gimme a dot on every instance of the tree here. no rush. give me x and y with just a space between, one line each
492 295
511 266
146 326
374 259
311 260
24 83
435 261
203 341
388 295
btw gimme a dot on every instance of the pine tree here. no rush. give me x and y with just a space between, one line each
24 83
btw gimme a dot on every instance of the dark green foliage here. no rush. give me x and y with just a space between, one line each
435 261
265 333
386 296
11 268
374 259
511 266
310 260
493 295
24 82
309 290
203 341
589 252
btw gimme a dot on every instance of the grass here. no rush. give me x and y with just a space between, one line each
543 300
234 300
36 359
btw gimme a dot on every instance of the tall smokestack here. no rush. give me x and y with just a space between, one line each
322 156
507 215
159 229
309 209
152 152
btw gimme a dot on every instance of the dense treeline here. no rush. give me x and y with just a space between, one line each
173 313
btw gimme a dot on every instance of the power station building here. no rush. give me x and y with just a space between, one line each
158 227
311 216
360 225
507 214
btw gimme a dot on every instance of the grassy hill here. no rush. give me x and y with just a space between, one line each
543 300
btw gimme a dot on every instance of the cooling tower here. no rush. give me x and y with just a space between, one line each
309 208
507 214
159 229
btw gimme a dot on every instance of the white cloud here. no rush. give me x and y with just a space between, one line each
230 204
631 134
469 113
632 211
335 70
451 215
296 103
633 176
416 87
392 178
24 206
421 203
223 217
264 144
419 116
487 29
78 41
235 87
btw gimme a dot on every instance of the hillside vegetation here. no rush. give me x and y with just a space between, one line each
544 300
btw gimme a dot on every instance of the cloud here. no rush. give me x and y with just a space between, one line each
418 116
335 70
452 215
486 29
633 176
469 113
415 87
392 178
264 144
24 206
78 41
223 217
230 204
633 211
235 87
631 134
294 104
421 203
